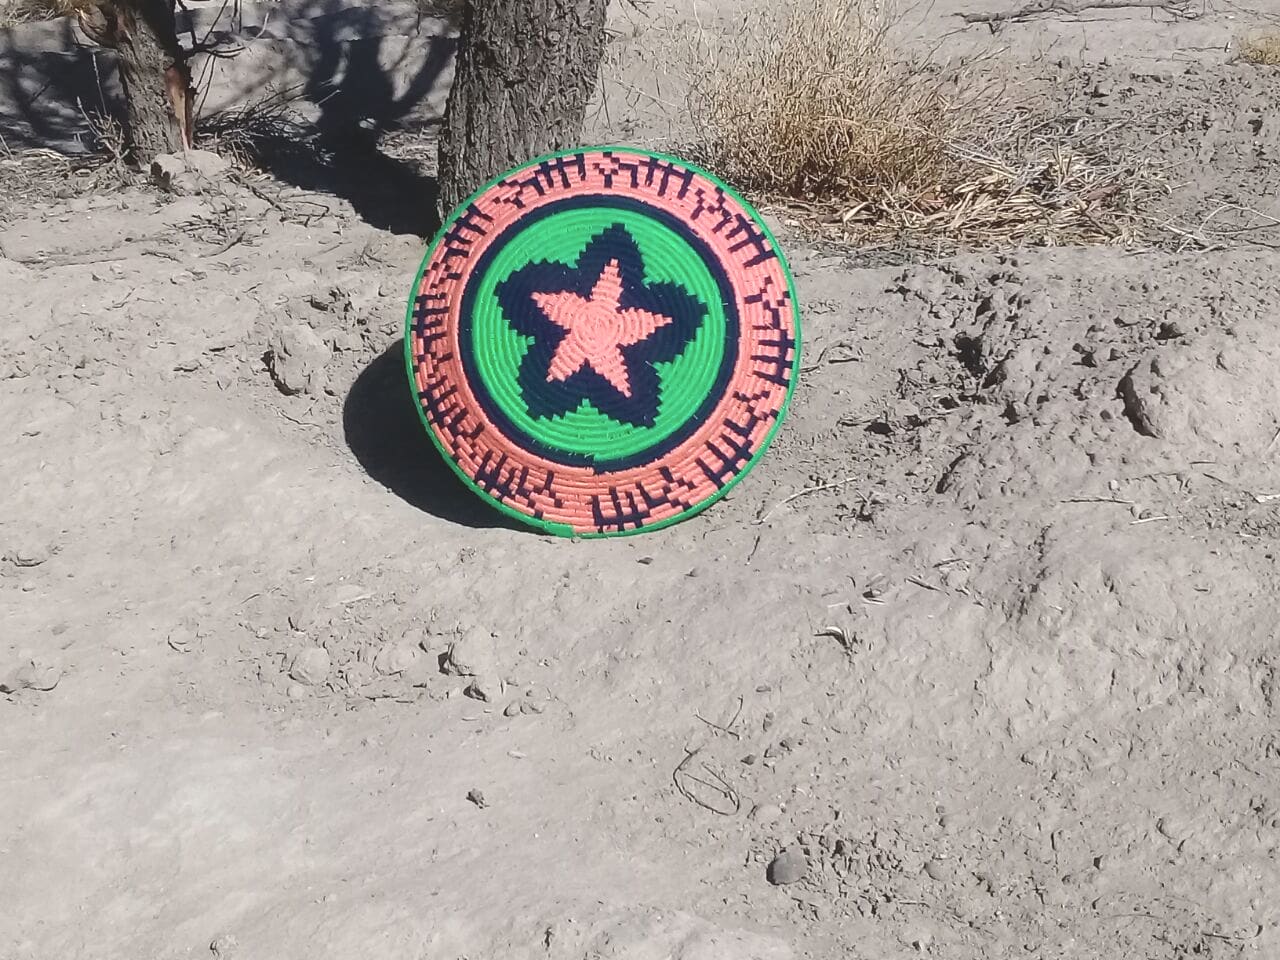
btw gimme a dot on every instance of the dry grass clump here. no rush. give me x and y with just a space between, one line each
809 101
813 102
253 135
13 12
1263 49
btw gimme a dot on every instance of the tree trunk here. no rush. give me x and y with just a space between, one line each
526 70
154 73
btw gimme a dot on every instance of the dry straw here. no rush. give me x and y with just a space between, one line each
1263 49
815 103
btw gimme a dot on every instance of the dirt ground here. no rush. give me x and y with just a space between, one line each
981 660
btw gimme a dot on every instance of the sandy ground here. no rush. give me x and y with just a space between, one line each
981 660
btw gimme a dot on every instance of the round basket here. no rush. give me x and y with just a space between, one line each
603 341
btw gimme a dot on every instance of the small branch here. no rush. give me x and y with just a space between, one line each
1040 8
804 493
720 786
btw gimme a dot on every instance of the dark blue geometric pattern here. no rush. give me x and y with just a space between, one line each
558 397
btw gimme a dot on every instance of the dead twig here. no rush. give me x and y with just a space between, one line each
822 356
237 238
804 493
720 786
1127 503
727 728
925 584
1179 9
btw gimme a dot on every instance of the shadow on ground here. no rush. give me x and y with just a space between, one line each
386 193
315 91
52 83
365 91
383 429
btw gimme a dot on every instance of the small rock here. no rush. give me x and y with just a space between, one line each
1035 756
205 163
421 672
166 168
941 870
1170 330
297 358
189 173
394 658
788 867
30 552
530 706
32 675
512 710
311 666
357 674
471 654
484 688
295 691
476 797
766 813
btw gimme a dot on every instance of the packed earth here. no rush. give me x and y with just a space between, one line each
980 662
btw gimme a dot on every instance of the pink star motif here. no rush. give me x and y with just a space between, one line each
597 329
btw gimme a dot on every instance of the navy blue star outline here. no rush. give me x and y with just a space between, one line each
556 398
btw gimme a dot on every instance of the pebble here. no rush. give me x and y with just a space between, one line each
394 658
357 674
483 688
295 691
470 655
940 870
476 797
311 666
1035 756
297 358
787 867
513 709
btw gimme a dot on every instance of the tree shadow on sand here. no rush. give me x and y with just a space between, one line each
52 83
385 433
354 73
352 77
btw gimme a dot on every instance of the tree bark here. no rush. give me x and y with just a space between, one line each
526 70
154 73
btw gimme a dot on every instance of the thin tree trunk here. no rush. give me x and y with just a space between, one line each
526 70
154 73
